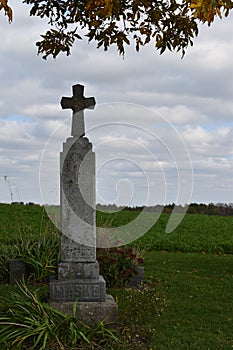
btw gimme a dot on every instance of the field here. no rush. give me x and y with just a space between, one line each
196 233
186 301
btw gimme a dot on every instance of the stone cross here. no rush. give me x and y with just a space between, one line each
78 103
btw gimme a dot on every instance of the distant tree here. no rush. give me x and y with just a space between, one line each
171 24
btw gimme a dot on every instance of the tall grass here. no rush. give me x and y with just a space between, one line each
27 323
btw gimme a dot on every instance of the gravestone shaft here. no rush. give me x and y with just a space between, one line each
78 199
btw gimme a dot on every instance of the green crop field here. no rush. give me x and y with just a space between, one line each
196 233
186 301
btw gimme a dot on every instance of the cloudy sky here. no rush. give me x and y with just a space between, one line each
162 128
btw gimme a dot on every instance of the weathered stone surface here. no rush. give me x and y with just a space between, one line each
73 270
78 201
78 125
78 271
91 313
73 251
81 290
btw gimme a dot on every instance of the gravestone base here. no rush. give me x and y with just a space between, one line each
67 290
91 313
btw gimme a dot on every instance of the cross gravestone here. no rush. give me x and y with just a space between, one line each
78 103
78 271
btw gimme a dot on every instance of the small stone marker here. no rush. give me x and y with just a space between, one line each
78 271
17 271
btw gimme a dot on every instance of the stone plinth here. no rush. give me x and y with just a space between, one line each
78 289
91 313
73 270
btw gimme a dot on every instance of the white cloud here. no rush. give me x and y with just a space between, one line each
181 114
194 94
43 110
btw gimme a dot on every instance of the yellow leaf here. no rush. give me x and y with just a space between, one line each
10 14
8 9
219 13
4 3
103 7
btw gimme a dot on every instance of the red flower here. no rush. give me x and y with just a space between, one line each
140 260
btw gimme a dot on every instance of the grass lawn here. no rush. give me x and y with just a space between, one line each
186 301
199 294
189 305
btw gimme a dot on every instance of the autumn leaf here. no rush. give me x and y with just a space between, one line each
7 9
207 10
104 7
170 25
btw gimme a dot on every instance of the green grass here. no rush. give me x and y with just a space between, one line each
196 233
186 302
28 323
22 220
199 291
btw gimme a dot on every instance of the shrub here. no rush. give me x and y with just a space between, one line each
117 265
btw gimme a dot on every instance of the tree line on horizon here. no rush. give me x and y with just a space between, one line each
222 209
